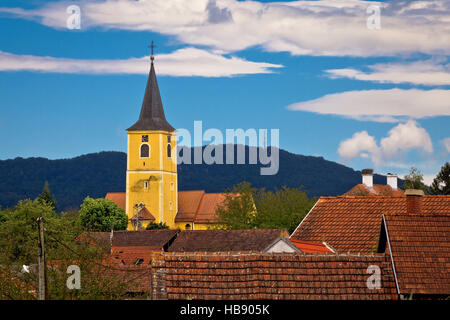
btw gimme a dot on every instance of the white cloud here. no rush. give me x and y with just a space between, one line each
183 62
401 139
381 105
446 143
361 144
404 137
325 27
429 72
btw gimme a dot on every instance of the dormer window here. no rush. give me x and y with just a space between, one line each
145 151
145 138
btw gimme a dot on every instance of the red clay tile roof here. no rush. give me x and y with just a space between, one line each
193 206
224 276
118 197
206 212
311 246
420 246
188 203
99 239
226 240
377 190
143 214
129 255
352 224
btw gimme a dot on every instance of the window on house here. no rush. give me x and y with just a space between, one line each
145 151
145 138
169 151
170 205
169 138
187 227
172 186
146 185
138 261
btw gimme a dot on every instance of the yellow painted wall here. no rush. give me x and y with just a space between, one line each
158 170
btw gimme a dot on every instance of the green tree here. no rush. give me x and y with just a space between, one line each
238 209
441 184
246 207
47 197
101 279
414 180
283 209
102 215
154 226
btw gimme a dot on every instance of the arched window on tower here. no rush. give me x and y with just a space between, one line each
169 151
145 151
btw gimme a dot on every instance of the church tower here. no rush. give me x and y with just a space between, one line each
151 184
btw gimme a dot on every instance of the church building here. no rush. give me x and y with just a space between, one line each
151 183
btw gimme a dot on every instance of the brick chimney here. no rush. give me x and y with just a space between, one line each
391 180
414 201
367 177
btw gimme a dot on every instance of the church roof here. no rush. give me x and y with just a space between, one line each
152 113
195 206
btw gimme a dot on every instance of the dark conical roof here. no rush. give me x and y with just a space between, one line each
152 113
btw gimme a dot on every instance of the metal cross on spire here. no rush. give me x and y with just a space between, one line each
152 46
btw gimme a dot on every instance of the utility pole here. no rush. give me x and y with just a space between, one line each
43 288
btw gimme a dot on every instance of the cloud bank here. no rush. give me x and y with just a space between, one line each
380 105
400 140
183 62
430 73
322 28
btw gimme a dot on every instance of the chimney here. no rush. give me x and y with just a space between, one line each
391 180
414 201
367 177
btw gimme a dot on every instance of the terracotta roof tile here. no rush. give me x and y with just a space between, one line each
258 276
377 190
420 247
226 240
352 224
118 198
193 206
311 246
143 214
188 203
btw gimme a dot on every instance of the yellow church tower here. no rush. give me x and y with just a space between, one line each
151 182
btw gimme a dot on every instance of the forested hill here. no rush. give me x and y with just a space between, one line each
71 180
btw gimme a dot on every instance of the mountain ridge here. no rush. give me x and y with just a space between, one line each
95 174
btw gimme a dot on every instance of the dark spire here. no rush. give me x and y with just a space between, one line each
152 113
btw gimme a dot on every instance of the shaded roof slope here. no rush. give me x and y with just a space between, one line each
420 248
352 224
226 240
149 238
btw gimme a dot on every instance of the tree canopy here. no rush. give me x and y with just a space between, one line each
414 180
47 197
246 207
441 184
102 215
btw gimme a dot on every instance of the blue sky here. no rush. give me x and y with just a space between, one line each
314 70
